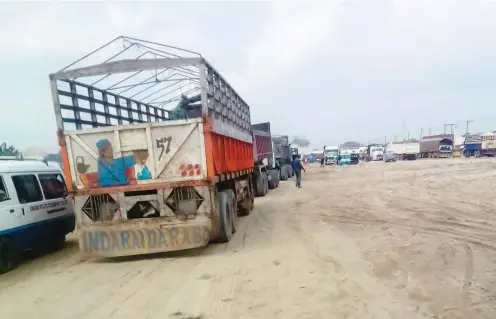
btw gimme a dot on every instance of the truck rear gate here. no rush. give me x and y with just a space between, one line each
146 179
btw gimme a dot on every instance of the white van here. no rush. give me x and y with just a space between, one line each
35 210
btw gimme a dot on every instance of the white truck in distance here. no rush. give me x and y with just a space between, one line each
330 154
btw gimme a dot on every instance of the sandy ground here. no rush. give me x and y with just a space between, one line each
399 240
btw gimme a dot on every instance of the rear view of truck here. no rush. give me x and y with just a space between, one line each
282 152
266 172
156 148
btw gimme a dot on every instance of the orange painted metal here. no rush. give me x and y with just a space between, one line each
65 160
226 154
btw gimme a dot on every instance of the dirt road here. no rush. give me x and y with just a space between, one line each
399 240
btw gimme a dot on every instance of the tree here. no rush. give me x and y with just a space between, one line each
300 141
8 151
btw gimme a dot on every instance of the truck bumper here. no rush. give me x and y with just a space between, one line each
137 237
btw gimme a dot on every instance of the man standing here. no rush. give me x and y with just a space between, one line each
298 167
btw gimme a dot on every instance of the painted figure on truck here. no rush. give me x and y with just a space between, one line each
112 171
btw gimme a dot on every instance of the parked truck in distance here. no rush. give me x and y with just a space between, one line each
331 154
436 146
375 152
146 176
472 146
488 144
282 153
266 170
404 150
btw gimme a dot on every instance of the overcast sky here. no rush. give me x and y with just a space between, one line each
332 72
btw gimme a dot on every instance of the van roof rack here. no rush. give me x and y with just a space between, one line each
20 157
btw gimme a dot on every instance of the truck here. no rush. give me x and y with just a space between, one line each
472 145
282 153
330 154
294 153
375 152
436 146
404 150
488 144
145 176
264 159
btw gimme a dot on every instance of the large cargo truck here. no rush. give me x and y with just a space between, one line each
267 168
436 146
488 144
404 150
282 153
331 154
472 146
375 152
145 179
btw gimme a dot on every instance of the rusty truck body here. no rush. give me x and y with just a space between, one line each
147 177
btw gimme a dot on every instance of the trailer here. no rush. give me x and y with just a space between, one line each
146 176
488 144
266 166
436 146
282 153
404 150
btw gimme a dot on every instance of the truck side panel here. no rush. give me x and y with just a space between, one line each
145 153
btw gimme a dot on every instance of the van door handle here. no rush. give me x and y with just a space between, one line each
11 210
23 212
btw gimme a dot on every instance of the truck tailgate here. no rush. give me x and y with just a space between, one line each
143 153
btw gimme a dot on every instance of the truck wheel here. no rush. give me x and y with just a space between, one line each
232 199
8 255
246 206
283 174
266 184
225 207
273 179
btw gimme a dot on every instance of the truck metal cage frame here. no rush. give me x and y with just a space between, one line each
129 80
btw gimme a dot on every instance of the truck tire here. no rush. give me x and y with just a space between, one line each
283 173
232 199
225 207
8 255
246 206
274 179
262 185
266 183
290 171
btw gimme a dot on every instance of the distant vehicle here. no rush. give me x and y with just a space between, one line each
472 146
330 154
436 146
346 158
268 174
404 150
375 152
35 210
282 152
389 157
488 145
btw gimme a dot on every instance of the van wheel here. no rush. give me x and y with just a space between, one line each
8 255
232 200
59 242
225 208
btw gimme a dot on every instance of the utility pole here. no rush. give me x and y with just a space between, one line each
395 137
385 140
421 133
466 127
451 127
408 138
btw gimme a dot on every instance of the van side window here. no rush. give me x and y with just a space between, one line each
53 185
4 195
28 189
